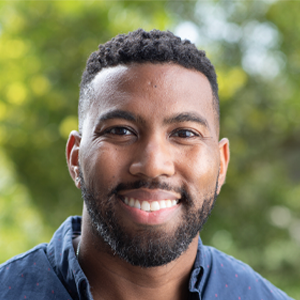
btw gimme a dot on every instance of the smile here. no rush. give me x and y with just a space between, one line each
149 206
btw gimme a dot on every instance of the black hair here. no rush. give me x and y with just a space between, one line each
145 47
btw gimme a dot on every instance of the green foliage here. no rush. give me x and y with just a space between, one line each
43 49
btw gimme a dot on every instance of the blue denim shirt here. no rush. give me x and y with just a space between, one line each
51 271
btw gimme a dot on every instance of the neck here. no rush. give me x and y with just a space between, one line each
113 278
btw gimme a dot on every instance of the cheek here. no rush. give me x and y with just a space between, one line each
200 167
102 166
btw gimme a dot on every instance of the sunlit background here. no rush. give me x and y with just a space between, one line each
255 46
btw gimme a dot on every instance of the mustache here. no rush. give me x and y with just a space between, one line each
185 197
151 185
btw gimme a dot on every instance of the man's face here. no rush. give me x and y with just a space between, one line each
150 162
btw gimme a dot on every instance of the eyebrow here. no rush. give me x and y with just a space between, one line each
187 117
180 118
120 114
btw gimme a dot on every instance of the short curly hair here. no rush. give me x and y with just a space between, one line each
145 47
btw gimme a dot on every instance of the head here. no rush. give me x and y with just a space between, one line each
140 47
148 159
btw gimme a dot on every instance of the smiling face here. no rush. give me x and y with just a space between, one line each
149 160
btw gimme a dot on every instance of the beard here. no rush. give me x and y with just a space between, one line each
149 246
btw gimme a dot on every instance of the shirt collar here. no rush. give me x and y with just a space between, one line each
197 272
63 259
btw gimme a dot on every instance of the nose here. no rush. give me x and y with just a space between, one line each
153 159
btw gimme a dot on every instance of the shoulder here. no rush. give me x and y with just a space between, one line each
22 260
23 272
41 272
31 276
226 276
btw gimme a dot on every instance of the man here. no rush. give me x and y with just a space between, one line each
150 165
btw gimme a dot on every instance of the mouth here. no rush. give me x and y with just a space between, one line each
149 206
146 207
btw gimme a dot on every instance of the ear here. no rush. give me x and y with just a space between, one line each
72 156
224 160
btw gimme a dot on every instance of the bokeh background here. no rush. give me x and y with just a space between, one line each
255 47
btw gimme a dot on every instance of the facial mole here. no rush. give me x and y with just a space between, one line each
151 83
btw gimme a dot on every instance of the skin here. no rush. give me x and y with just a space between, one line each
149 148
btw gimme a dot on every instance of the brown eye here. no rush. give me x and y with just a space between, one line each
184 133
119 131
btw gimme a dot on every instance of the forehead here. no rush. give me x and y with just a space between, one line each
152 88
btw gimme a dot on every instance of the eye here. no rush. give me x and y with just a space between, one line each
119 131
184 133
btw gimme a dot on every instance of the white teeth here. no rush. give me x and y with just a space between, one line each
154 206
150 206
137 204
131 202
145 206
168 203
163 204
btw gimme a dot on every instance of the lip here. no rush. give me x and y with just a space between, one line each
149 218
150 195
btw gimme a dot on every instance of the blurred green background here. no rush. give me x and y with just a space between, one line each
255 47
